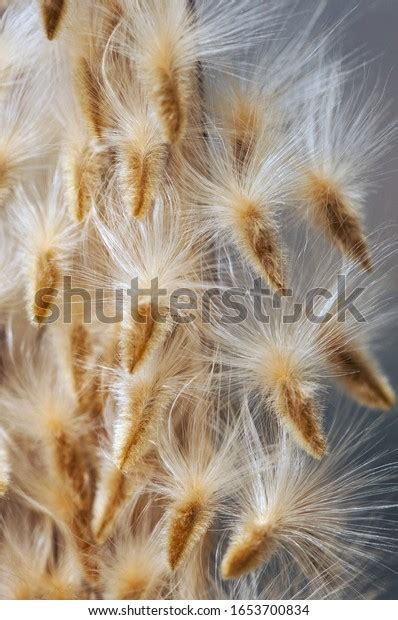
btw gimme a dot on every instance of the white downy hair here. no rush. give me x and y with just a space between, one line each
198 469
170 38
345 135
24 138
132 567
10 289
41 218
285 350
329 518
20 43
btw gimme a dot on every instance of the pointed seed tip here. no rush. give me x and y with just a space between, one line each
52 13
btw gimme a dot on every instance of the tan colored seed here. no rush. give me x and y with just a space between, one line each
355 369
145 174
144 411
338 219
254 546
47 279
141 339
170 95
189 521
257 238
52 12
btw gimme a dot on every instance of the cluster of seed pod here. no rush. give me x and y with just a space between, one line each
158 158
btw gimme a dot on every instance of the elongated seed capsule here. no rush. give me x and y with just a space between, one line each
80 349
355 369
300 413
82 171
294 403
46 281
68 458
190 518
141 412
52 12
253 546
110 497
166 63
333 213
141 174
114 489
257 238
85 549
243 126
140 339
170 94
89 92
72 466
85 380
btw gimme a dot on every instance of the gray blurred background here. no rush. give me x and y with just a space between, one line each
372 25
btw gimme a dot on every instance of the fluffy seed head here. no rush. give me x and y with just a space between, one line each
24 138
344 138
165 63
198 462
48 241
308 510
135 569
29 570
241 205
